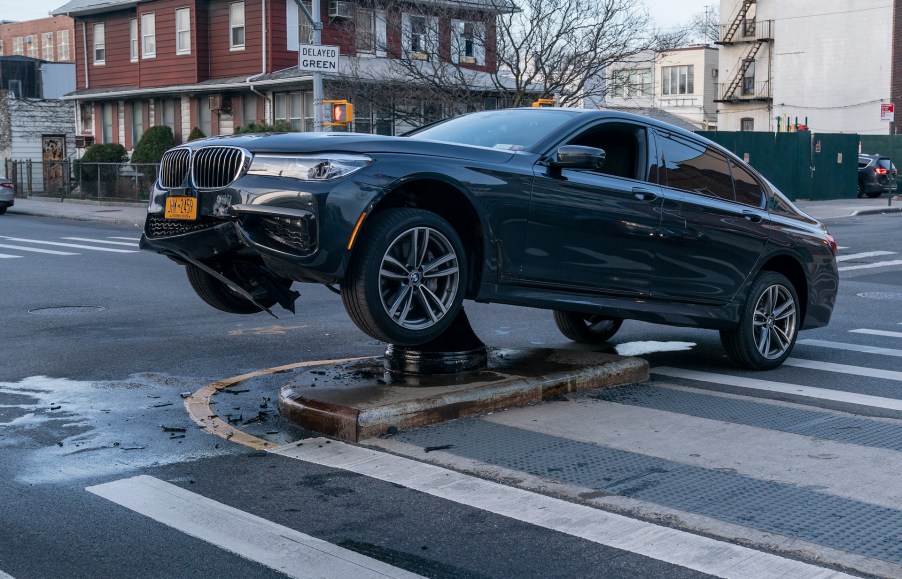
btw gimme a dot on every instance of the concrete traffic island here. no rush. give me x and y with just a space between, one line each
367 398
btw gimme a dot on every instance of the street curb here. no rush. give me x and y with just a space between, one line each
353 401
876 211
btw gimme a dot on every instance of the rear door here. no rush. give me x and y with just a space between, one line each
714 224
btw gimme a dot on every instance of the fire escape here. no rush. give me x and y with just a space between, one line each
746 31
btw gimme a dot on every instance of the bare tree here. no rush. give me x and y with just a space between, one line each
705 25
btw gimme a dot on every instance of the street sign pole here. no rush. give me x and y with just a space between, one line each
317 76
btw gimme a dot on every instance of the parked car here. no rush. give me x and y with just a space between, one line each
7 194
876 175
599 216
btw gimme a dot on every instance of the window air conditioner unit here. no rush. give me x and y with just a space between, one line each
339 9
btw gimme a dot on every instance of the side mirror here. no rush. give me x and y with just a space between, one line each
578 157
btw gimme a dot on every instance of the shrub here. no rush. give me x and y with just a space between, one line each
105 153
277 127
195 134
149 150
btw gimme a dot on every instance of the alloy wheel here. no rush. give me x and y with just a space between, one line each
774 322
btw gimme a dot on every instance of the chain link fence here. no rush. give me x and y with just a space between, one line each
73 179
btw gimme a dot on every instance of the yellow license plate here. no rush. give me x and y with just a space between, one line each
181 208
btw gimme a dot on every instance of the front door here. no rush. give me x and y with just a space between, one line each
595 230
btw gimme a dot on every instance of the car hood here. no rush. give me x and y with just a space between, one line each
307 143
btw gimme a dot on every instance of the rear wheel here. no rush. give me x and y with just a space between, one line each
407 278
860 190
768 326
874 194
586 328
2 209
222 297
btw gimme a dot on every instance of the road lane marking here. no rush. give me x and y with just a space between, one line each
5 576
278 547
695 552
5 256
199 407
133 244
56 243
852 347
36 250
845 369
871 265
871 332
126 238
863 255
786 388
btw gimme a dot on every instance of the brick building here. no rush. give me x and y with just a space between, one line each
49 39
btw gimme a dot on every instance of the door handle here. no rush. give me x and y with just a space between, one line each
644 194
752 217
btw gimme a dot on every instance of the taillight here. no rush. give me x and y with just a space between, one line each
880 171
7 185
830 242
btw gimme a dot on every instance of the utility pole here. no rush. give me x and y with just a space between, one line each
315 20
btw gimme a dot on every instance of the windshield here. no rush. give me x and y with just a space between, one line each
510 129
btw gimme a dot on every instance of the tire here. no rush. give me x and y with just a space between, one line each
400 295
2 209
769 324
222 297
586 328
860 190
874 194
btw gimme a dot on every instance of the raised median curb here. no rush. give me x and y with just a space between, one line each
357 400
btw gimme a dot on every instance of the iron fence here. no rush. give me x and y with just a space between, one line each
73 179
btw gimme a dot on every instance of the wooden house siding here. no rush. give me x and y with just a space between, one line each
225 62
118 69
167 67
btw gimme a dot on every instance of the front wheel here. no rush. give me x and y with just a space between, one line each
586 328
2 209
768 326
219 295
407 277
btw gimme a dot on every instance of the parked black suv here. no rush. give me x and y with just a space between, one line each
876 175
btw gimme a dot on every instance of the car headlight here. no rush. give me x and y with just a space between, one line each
308 167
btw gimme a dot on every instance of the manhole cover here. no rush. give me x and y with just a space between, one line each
67 310
882 295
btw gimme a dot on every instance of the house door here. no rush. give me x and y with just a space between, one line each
53 149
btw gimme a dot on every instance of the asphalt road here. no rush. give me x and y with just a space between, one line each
98 347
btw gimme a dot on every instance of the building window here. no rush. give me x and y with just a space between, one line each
365 31
148 35
62 45
47 46
678 79
204 116
87 118
169 108
467 42
32 42
419 36
19 46
249 109
295 108
133 39
1 47
137 122
305 29
99 47
747 124
630 83
106 134
748 78
236 25
183 31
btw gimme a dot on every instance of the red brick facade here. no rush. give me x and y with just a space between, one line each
58 30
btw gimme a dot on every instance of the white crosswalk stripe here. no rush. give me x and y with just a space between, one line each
871 265
126 238
75 245
276 546
36 250
133 244
877 333
5 256
863 255
852 347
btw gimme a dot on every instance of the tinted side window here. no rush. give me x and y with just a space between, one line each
748 191
625 147
694 167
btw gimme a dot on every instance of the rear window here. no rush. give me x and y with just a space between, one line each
885 164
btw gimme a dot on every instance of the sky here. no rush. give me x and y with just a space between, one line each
666 12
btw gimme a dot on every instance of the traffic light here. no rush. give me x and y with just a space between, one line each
338 113
544 103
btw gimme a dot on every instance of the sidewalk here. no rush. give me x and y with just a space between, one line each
133 214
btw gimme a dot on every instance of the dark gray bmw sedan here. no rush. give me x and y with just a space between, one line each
599 216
